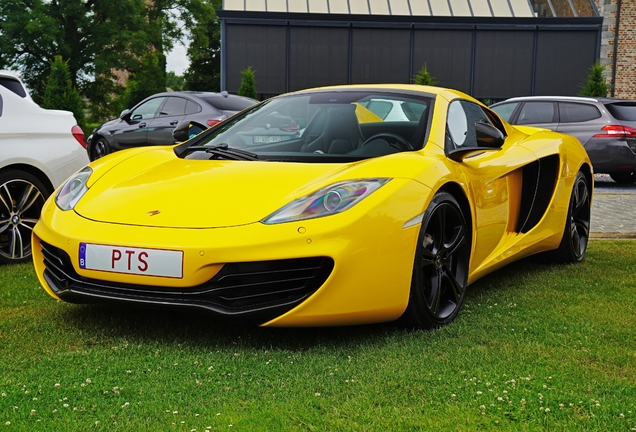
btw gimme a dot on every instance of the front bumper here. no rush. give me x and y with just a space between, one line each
351 268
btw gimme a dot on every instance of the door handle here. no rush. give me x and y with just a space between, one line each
174 122
142 125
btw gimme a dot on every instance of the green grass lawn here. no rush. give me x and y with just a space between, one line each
536 347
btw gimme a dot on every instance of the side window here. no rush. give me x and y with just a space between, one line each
192 108
174 106
537 112
147 110
577 112
505 110
462 116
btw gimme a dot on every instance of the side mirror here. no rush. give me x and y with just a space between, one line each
488 136
187 129
124 113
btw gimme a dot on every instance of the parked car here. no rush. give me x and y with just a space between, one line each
39 149
152 120
349 222
12 82
606 127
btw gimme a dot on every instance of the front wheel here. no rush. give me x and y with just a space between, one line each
576 233
440 271
100 149
21 199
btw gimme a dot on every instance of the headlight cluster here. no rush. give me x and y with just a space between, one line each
327 201
74 189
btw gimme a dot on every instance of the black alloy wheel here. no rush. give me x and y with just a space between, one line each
576 233
21 199
440 272
100 149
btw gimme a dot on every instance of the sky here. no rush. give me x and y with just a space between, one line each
177 60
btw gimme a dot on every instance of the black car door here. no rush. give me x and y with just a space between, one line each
132 130
170 114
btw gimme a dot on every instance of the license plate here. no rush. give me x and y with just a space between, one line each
140 261
267 139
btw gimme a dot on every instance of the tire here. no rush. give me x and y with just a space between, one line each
100 149
624 177
576 232
22 196
440 270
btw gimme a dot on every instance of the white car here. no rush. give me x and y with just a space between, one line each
39 149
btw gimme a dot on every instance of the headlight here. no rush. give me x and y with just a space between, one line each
327 201
73 189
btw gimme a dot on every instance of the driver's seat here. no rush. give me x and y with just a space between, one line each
342 132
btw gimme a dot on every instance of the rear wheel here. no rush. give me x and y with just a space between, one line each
440 272
624 177
21 199
576 233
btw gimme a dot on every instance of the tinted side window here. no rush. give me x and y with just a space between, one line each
537 112
577 112
625 111
13 85
147 110
505 110
174 106
192 108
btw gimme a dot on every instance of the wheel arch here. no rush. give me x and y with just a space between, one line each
458 193
37 173
587 171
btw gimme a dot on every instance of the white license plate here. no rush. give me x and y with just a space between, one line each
267 139
141 261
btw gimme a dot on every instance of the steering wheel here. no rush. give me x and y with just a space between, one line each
393 140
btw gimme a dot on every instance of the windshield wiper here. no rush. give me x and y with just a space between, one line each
223 151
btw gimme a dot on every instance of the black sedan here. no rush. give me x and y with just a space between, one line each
152 121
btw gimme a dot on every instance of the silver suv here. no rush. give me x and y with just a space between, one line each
606 127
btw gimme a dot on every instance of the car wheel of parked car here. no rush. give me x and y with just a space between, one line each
624 177
440 273
100 149
577 226
21 199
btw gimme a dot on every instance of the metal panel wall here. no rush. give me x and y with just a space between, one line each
447 55
380 56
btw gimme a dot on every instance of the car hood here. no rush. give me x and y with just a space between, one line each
156 188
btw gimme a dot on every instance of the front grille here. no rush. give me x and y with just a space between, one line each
252 292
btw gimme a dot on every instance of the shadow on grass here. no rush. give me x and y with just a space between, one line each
163 326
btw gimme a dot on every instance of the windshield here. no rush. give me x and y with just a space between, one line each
325 125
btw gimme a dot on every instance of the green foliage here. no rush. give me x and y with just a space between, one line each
60 93
174 82
596 85
535 348
248 83
204 73
423 77
149 78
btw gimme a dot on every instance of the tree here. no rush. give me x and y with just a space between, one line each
595 86
248 83
423 77
60 93
204 52
174 82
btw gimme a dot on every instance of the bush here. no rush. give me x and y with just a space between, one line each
423 77
248 83
60 94
595 86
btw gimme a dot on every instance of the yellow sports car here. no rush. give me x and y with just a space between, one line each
332 206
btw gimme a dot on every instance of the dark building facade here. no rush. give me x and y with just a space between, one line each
491 53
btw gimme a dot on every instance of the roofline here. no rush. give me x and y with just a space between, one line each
339 20
551 98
